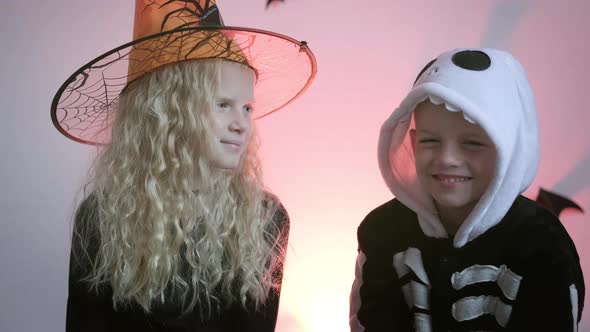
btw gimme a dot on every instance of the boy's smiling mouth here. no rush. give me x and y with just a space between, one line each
450 179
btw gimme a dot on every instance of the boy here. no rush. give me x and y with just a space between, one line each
459 249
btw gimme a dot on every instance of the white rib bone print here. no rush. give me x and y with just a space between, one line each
416 294
475 306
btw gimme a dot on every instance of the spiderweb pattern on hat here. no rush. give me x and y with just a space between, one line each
84 106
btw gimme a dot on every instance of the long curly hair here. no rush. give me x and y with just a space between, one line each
167 225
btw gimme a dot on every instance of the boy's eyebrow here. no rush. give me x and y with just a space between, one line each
425 131
476 135
473 135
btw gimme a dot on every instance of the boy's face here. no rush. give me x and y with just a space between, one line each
455 159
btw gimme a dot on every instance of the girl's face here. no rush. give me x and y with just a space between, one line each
231 114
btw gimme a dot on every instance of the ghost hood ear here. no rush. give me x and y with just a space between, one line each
472 60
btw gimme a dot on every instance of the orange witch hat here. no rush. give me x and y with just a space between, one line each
168 31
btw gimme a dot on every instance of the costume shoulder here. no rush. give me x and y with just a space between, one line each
540 229
85 236
549 262
392 223
543 241
281 219
277 229
86 210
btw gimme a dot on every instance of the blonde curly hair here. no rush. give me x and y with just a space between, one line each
164 225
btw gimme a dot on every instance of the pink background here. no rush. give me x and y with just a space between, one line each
319 153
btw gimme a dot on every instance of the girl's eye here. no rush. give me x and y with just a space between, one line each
248 109
222 105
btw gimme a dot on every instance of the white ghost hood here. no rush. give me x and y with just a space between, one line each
492 90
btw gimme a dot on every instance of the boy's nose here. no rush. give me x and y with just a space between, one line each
449 155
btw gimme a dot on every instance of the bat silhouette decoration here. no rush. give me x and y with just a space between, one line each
555 202
270 2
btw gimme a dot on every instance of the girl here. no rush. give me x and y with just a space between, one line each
177 232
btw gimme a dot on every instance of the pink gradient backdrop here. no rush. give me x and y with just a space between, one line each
319 153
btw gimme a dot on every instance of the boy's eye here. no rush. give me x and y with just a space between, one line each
474 143
428 140
248 108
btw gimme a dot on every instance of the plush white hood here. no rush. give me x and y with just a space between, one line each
492 90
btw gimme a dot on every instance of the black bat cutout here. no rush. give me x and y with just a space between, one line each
555 202
269 2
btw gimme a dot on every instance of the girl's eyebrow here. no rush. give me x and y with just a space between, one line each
232 101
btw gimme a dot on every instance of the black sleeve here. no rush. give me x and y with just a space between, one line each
552 297
264 319
87 311
376 300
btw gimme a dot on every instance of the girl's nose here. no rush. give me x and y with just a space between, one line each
240 122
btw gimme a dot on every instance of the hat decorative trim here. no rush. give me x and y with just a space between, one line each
166 32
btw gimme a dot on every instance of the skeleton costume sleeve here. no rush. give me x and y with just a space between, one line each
511 266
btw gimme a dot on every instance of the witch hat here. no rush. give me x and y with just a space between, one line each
169 31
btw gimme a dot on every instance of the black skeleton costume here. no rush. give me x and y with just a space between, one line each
511 266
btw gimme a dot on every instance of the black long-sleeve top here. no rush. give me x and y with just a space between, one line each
91 311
